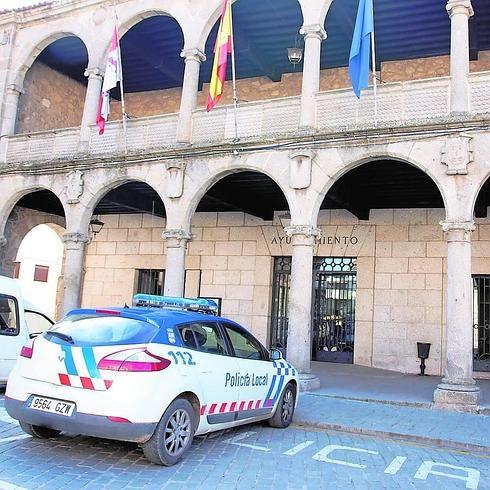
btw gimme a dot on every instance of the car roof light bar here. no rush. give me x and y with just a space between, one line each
193 304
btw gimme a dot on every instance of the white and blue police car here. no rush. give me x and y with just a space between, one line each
157 374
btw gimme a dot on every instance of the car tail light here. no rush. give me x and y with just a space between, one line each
118 419
28 349
133 360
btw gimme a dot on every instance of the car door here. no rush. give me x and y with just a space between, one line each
217 370
260 382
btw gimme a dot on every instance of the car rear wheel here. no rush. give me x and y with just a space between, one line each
285 408
173 436
38 431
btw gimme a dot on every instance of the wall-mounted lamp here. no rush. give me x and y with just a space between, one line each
295 55
95 226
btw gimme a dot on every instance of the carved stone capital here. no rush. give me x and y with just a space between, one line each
459 7
73 187
315 31
458 231
93 73
176 238
457 154
193 54
75 241
303 234
174 187
3 241
300 168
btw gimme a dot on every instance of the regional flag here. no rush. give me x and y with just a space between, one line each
222 49
113 74
361 47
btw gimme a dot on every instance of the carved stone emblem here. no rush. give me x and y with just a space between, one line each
300 168
457 154
74 186
175 179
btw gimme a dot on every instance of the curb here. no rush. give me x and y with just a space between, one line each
423 440
398 403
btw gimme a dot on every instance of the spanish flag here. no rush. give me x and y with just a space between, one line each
222 49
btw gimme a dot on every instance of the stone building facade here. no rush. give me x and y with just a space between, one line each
410 268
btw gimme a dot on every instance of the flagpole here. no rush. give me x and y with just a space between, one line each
121 84
375 80
233 76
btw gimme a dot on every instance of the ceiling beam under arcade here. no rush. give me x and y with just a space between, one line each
360 211
135 203
229 205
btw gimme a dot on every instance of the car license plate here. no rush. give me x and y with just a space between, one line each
52 405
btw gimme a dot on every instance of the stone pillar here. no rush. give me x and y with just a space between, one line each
314 35
176 245
75 244
3 242
299 308
10 112
92 99
190 87
459 11
457 390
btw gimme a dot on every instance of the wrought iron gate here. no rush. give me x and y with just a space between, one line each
280 295
334 296
334 283
481 323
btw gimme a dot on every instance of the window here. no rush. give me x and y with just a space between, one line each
9 315
151 281
41 273
205 337
36 322
244 345
16 271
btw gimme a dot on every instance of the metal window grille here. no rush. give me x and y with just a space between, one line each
280 296
481 323
151 281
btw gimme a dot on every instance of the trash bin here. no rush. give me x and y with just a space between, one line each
423 349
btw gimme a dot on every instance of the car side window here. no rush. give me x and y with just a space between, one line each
244 345
36 322
205 337
9 315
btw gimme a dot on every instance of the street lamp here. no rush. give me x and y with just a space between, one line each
95 226
295 55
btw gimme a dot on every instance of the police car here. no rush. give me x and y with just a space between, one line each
157 374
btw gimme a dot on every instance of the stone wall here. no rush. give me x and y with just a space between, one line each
401 258
52 100
49 100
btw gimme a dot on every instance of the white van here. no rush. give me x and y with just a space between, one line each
19 321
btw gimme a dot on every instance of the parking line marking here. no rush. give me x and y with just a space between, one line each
239 437
9 486
298 448
14 438
395 465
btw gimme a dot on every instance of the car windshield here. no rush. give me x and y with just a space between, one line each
101 330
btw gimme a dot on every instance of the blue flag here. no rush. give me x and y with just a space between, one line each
360 51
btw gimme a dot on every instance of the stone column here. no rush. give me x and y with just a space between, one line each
299 308
458 390
314 35
176 245
459 11
11 107
3 242
190 88
75 244
92 99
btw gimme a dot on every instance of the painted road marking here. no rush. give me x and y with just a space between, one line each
240 437
298 448
14 438
323 455
472 479
395 465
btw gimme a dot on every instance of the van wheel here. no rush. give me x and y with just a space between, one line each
285 408
173 436
38 431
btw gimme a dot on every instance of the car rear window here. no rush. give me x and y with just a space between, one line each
102 330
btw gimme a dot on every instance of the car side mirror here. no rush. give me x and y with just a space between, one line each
275 355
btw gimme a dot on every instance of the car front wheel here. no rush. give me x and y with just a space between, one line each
38 431
173 436
285 408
